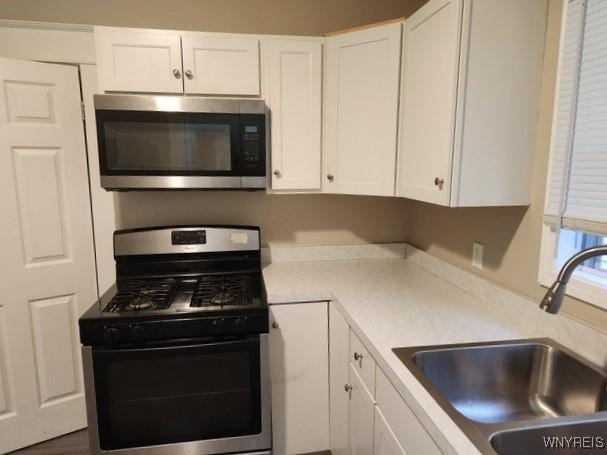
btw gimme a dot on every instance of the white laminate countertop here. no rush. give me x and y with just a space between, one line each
396 302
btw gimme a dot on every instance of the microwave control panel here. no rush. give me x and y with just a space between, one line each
253 143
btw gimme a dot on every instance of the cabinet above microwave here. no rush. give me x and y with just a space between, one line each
176 142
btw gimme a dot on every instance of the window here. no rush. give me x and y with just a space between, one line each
576 195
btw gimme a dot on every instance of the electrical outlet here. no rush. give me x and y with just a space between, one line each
477 255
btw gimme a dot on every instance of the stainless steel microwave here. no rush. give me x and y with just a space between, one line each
176 142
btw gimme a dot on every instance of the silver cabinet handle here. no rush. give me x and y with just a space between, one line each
176 73
275 325
276 173
358 356
189 74
439 182
348 388
330 177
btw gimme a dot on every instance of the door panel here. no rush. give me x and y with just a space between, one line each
220 66
299 365
136 61
385 440
294 81
429 93
55 344
361 107
48 265
339 349
361 416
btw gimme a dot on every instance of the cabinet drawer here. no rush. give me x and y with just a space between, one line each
408 430
362 362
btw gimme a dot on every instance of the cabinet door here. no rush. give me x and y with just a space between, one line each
293 79
299 366
385 440
339 333
361 416
138 61
429 91
361 108
217 65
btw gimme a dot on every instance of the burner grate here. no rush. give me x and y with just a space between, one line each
222 290
139 295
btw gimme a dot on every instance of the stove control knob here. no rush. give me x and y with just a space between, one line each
218 325
240 324
136 332
110 334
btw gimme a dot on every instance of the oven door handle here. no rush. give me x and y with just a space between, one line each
218 346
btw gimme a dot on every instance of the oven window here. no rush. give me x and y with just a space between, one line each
166 142
176 394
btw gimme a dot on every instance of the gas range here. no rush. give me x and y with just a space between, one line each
180 336
213 288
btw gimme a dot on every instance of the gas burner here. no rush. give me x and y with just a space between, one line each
140 303
222 290
139 295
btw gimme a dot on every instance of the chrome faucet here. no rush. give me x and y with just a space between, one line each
553 299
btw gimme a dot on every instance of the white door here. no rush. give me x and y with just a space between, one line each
299 365
361 110
429 92
339 366
47 272
138 61
385 439
361 416
293 77
217 65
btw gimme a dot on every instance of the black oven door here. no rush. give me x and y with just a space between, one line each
210 396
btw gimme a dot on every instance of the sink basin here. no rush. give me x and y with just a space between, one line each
555 440
495 388
511 382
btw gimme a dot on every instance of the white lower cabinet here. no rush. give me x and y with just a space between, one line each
360 415
385 441
299 368
367 414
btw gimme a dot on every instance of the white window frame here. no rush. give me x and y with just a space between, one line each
587 290
579 288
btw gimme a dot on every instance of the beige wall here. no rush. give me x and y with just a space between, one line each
511 235
284 219
294 17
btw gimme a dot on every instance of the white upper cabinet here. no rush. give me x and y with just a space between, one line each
470 90
429 90
361 109
150 61
141 61
220 65
293 89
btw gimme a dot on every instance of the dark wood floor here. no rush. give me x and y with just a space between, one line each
76 443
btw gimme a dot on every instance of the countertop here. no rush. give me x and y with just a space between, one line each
396 302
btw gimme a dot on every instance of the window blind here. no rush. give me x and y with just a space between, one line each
577 185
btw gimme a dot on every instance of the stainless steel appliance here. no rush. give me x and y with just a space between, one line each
177 142
175 355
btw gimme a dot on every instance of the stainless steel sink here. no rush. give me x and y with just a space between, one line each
491 389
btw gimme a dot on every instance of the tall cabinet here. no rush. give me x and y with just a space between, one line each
293 90
361 110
